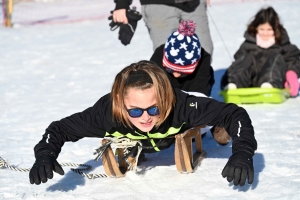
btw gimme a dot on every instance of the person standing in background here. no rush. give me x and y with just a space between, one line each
162 17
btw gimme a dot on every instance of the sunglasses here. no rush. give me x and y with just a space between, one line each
137 112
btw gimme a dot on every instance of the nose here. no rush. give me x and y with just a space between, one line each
176 74
145 116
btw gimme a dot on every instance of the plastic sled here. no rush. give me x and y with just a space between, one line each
255 95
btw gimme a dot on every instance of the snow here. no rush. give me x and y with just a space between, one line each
52 70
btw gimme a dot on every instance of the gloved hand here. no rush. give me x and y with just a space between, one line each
292 82
238 168
126 30
43 168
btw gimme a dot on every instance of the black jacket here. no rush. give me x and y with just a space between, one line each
201 80
290 52
187 6
190 111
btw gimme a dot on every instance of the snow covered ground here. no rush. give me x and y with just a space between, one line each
48 72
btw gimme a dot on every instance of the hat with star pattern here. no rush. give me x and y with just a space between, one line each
182 50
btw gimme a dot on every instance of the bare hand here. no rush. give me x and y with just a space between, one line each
208 2
120 16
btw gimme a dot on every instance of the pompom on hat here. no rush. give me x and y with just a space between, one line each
182 50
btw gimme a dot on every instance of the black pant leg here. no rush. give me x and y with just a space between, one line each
273 71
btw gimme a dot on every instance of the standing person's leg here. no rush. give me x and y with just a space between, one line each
199 16
161 21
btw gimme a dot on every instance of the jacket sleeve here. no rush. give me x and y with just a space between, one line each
239 57
237 65
203 80
92 122
291 55
198 111
122 4
240 53
157 56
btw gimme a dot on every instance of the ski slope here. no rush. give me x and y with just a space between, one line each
50 71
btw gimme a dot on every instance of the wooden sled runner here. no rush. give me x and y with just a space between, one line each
111 168
185 159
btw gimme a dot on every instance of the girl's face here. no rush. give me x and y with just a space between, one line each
143 99
265 31
175 73
178 74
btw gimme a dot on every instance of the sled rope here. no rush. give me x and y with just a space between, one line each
116 142
4 164
220 35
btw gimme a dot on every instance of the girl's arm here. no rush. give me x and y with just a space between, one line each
91 122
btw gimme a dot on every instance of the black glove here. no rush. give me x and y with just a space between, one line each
238 168
126 30
43 168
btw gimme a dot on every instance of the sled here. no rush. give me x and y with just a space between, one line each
111 167
185 159
255 95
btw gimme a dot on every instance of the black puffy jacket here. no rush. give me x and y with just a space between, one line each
290 52
259 60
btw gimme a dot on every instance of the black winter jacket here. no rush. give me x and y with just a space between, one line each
187 6
190 111
290 52
201 80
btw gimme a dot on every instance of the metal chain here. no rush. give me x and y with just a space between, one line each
4 164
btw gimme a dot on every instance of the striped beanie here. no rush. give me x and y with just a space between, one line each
182 49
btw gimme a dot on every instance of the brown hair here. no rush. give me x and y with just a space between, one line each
267 15
164 92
